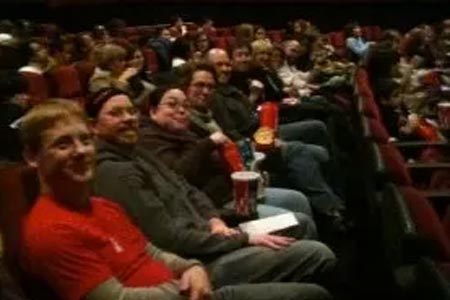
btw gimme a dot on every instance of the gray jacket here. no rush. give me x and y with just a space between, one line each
171 213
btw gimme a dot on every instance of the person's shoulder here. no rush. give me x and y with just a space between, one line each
106 206
46 227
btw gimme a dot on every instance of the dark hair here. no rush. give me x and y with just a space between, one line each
174 19
97 100
156 96
236 46
348 28
115 26
189 73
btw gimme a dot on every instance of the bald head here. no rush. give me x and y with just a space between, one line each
219 59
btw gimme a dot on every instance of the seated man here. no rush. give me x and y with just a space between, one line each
180 218
226 110
85 247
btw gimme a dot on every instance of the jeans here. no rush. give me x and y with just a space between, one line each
309 131
272 291
302 261
288 199
303 173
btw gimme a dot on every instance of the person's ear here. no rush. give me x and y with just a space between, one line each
31 157
152 111
93 127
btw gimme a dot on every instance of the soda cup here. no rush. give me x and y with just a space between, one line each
245 192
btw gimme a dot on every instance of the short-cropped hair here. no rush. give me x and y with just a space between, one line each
43 117
106 54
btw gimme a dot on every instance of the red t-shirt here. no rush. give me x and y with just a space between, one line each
73 251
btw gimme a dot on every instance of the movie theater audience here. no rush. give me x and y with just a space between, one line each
138 201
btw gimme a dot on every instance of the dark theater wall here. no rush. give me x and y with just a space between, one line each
328 15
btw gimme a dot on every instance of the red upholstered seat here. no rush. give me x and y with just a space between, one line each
276 36
20 186
378 132
337 39
129 31
85 70
231 40
395 164
66 83
38 89
367 33
370 108
151 60
224 31
427 222
377 32
220 42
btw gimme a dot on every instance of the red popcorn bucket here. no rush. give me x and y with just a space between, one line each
245 192
268 115
444 115
232 157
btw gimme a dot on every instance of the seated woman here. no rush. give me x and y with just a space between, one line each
114 70
165 132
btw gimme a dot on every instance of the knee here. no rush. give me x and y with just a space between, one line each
297 202
311 291
319 126
323 254
308 229
319 252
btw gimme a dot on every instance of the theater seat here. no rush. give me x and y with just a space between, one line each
398 231
220 42
85 70
151 60
66 83
373 129
38 89
20 187
276 36
427 223
224 31
395 165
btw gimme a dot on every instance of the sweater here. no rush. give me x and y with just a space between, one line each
169 211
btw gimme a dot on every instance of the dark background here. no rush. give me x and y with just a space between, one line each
75 15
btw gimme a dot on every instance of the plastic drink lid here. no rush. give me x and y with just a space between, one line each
245 175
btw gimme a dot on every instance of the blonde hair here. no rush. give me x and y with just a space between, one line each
106 54
44 116
261 46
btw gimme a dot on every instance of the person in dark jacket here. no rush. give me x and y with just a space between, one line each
297 162
181 219
165 132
